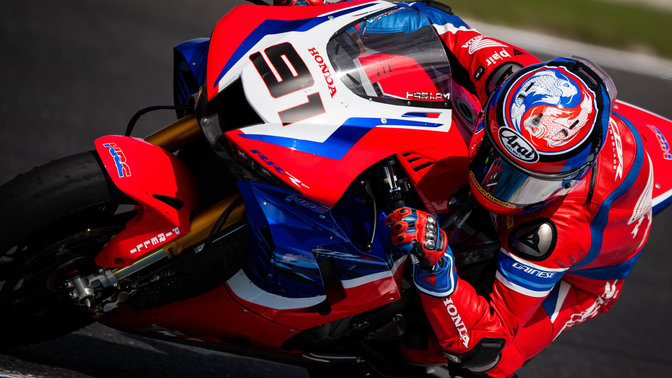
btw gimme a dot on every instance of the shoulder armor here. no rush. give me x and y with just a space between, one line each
534 240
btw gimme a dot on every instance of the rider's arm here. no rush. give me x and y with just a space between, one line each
536 250
535 253
478 63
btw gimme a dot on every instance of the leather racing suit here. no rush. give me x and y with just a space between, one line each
559 265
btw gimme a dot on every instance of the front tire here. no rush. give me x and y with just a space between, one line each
58 217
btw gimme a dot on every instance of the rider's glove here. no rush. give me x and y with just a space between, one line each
298 2
418 234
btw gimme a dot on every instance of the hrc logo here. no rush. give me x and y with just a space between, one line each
123 170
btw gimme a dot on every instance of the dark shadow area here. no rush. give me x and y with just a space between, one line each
99 351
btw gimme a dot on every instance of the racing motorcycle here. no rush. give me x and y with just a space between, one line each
254 223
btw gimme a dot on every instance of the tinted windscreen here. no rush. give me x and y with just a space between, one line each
391 59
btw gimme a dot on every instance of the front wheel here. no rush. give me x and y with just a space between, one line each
57 217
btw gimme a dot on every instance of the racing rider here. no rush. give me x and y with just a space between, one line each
568 186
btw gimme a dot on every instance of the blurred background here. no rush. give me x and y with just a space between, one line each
643 26
72 71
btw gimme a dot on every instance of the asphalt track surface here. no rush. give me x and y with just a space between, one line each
72 71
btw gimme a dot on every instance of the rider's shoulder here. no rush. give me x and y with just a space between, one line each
558 232
534 239
620 160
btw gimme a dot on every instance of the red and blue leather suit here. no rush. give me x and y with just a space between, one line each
559 265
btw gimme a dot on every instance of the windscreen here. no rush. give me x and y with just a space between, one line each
394 57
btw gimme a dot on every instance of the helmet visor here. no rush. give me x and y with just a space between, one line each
507 188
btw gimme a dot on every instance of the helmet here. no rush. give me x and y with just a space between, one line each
542 130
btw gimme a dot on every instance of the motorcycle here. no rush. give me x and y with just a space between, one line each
254 223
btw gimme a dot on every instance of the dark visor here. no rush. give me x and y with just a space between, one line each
507 186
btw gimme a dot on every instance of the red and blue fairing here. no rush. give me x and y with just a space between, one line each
329 112
333 95
306 104
299 248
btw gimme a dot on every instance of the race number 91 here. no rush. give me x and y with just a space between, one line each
292 75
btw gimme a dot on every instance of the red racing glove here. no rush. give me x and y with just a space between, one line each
417 233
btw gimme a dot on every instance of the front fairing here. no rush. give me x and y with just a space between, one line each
313 97
322 120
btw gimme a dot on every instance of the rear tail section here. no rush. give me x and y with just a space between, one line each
656 132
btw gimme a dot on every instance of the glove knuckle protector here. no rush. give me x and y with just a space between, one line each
421 231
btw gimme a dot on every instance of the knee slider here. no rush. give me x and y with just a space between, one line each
483 357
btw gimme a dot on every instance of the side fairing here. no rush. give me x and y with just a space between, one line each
327 168
299 248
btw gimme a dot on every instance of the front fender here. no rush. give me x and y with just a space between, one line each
161 185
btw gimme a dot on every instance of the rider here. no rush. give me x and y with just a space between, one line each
568 186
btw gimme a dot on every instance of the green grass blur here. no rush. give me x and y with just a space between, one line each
630 27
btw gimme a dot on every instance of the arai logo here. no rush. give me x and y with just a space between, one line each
517 146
